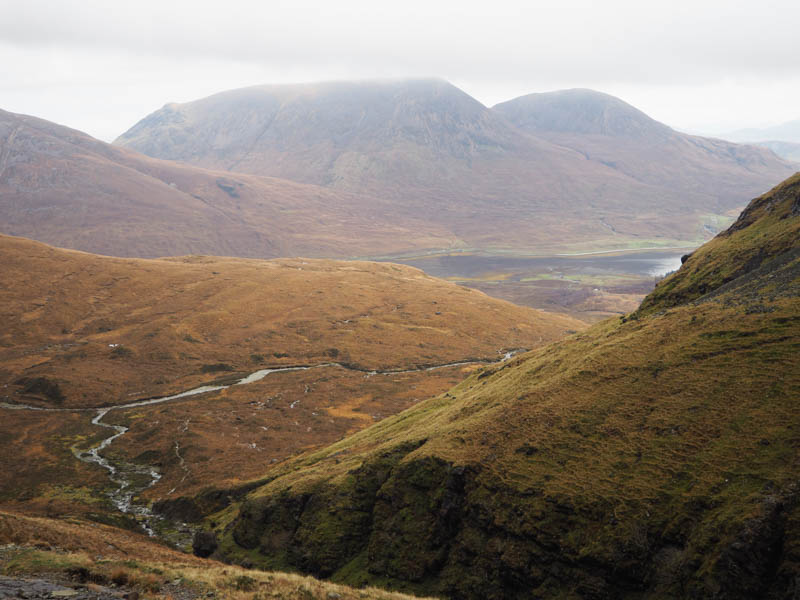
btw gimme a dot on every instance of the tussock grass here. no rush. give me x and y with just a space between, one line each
100 554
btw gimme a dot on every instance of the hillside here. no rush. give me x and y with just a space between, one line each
100 562
767 231
83 331
612 132
60 186
431 151
653 456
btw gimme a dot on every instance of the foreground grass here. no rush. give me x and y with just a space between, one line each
103 555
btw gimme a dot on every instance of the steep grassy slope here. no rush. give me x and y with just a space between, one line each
434 152
653 457
767 230
63 187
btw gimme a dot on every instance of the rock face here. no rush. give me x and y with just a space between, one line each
533 172
204 544
430 526
651 457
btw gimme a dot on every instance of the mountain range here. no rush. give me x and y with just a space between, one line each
373 169
363 422
63 187
521 175
786 132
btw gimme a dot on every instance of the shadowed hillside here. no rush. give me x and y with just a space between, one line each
97 561
654 456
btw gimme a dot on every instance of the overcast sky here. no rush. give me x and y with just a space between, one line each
701 65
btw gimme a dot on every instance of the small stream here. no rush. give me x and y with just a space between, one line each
132 479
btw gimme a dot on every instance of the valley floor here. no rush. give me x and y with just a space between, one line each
590 286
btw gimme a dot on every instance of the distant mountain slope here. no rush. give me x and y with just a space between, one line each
326 133
608 130
61 186
788 150
645 458
434 152
787 132
581 111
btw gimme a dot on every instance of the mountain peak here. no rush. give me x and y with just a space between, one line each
331 127
581 111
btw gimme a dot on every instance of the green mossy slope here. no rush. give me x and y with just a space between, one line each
653 457
765 230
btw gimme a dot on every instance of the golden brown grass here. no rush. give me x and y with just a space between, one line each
175 324
105 554
111 330
662 390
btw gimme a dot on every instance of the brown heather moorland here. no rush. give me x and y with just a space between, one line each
84 331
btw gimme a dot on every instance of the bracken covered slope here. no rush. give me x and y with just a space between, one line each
655 456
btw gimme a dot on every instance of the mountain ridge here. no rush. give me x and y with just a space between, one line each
580 110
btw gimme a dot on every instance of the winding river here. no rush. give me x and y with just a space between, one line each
132 479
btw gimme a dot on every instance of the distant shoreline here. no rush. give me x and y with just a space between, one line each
485 253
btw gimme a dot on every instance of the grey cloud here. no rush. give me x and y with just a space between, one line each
159 51
618 40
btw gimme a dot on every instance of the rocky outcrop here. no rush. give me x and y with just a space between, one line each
204 544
